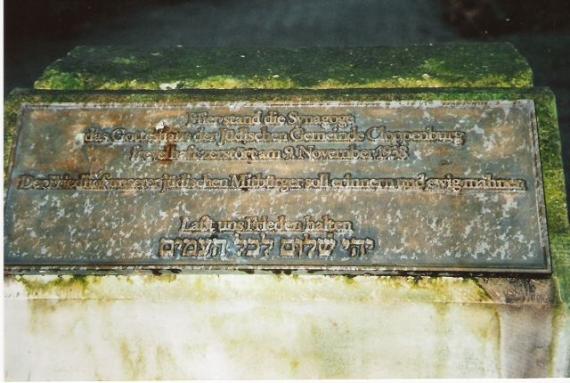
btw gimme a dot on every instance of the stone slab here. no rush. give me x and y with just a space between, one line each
417 66
497 326
149 327
247 326
345 187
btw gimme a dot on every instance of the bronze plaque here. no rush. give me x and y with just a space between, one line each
336 187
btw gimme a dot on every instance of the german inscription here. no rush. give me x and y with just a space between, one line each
374 187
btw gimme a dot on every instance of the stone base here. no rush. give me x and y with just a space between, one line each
281 326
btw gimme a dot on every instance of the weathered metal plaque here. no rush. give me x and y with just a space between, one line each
346 187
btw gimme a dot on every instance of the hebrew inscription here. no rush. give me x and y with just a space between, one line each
375 187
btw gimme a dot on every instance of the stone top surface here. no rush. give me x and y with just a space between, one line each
420 66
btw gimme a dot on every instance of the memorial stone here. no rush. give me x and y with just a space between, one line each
421 187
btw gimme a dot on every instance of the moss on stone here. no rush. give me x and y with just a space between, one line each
38 286
212 288
422 66
554 191
11 108
551 161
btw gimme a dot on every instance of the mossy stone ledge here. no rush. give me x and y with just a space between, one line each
468 65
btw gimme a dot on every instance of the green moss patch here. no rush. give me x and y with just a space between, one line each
421 66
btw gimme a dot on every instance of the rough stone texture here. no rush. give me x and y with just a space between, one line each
420 66
299 326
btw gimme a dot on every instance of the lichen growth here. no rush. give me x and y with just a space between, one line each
38 286
212 288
